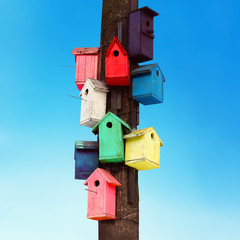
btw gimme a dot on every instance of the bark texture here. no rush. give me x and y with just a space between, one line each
119 101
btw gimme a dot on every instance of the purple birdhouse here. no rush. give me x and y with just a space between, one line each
141 34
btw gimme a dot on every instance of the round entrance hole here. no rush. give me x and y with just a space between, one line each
147 23
86 92
152 135
157 73
116 53
109 125
96 183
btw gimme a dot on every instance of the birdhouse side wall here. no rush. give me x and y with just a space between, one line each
134 34
80 71
111 147
142 84
135 149
110 204
92 66
87 67
86 162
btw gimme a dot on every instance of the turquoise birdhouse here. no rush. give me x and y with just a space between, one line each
111 145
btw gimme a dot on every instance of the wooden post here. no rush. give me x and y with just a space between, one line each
119 101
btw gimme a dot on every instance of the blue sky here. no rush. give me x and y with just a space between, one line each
195 194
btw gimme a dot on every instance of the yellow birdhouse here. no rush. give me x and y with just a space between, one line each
142 149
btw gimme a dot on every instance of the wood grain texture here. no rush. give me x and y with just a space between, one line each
119 100
113 13
101 195
126 225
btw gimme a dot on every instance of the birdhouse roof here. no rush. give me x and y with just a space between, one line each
105 175
115 40
142 132
86 51
125 125
147 10
144 69
96 85
86 145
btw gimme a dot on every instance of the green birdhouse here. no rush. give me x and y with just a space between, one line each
111 146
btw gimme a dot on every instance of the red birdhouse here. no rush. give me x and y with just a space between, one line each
87 64
117 66
101 195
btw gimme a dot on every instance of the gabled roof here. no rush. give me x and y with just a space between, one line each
141 132
146 69
96 84
143 69
125 125
146 10
106 175
86 51
115 40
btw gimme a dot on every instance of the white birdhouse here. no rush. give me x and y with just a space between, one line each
94 101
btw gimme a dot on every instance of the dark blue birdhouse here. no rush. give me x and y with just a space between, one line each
147 84
86 158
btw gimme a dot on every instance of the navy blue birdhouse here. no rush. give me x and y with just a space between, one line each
147 84
86 158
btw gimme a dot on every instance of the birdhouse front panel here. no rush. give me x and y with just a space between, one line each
96 199
117 66
93 103
101 195
147 84
86 158
141 34
111 144
86 65
142 149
